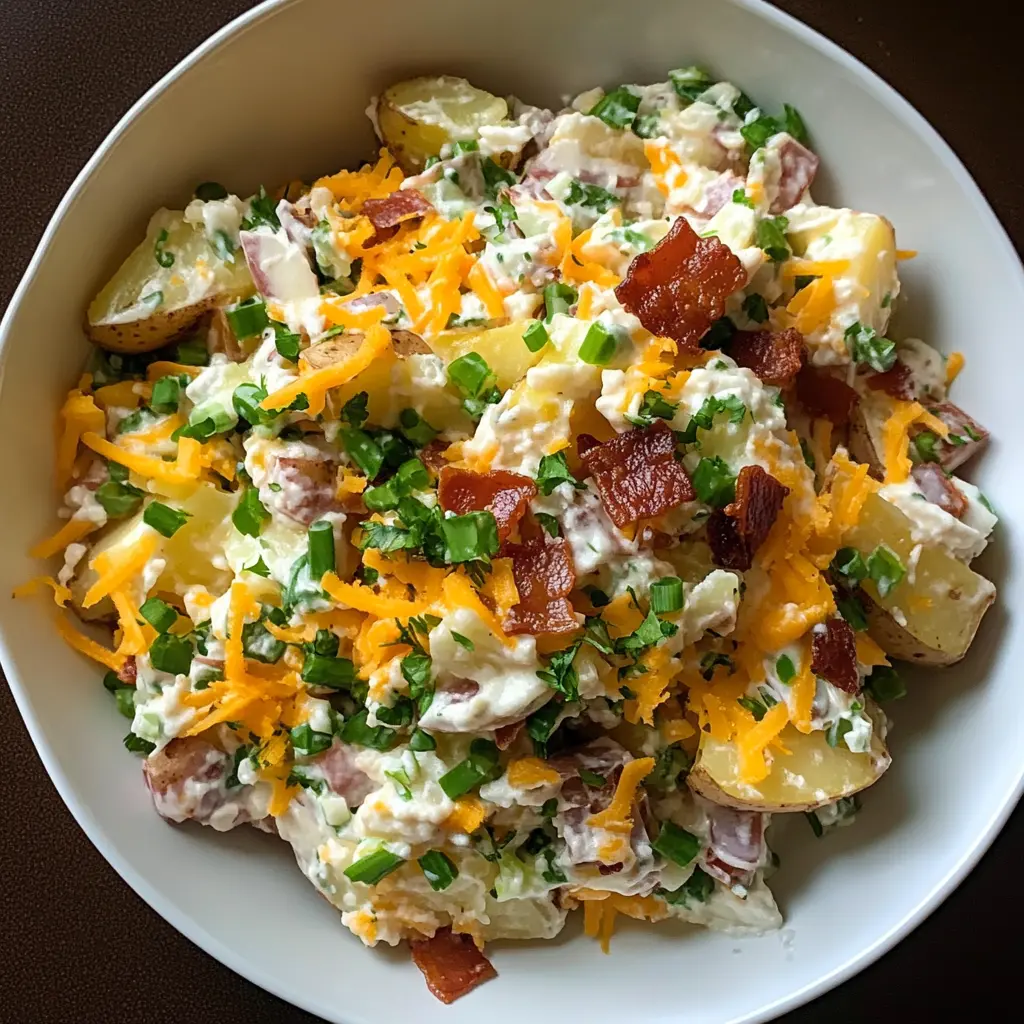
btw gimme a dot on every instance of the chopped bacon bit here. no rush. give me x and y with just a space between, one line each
544 576
128 672
451 964
823 395
678 288
939 489
508 734
737 531
834 654
798 167
897 382
392 210
584 442
637 474
775 357
971 433
432 455
507 495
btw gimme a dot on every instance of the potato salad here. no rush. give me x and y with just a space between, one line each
515 524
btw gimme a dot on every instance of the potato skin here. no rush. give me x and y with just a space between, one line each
151 333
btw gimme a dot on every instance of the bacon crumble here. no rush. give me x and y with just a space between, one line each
825 396
737 531
939 489
678 288
451 964
636 473
544 575
774 357
834 654
506 495
388 213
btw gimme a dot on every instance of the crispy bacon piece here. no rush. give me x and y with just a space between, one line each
897 382
387 213
432 455
451 964
507 495
971 433
544 576
508 734
737 531
798 168
128 673
834 654
939 489
678 288
637 474
775 357
823 395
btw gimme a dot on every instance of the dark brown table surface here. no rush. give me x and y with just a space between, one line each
76 944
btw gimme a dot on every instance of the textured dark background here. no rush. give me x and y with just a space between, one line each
76 944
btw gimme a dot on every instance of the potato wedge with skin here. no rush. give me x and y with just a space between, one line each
932 614
189 554
145 304
417 117
502 348
812 775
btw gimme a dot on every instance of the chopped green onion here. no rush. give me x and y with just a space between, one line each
479 767
163 257
885 684
363 450
740 196
554 470
259 643
785 669
771 237
558 297
666 595
288 345
465 146
373 867
714 482
469 537
718 334
536 336
323 670
617 108
137 745
247 319
469 373
867 348
258 568
321 548
160 615
923 446
355 730
885 568
850 609
307 743
124 696
690 83
598 348
250 513
210 190
167 394
421 741
848 562
755 707
172 654
438 869
495 177
192 352
164 519
676 844
118 498
756 308
415 428
591 196
592 778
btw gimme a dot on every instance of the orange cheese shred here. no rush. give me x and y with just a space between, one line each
618 815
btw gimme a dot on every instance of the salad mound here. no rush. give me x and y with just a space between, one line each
517 523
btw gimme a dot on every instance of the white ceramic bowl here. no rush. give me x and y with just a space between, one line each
280 94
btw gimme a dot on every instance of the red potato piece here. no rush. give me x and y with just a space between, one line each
678 288
506 495
343 346
825 396
939 489
185 757
798 168
774 357
308 488
718 193
451 964
736 844
897 382
834 654
221 338
508 734
973 435
737 531
338 763
544 576
636 473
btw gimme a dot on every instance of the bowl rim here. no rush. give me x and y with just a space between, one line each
185 924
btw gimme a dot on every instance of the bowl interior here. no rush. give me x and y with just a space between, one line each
282 96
